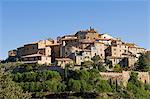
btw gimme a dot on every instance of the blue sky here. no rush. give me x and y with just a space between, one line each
24 21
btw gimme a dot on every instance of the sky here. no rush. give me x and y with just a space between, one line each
26 21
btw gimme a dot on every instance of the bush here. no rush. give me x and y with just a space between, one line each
74 85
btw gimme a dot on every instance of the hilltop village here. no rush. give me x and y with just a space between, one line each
88 65
79 48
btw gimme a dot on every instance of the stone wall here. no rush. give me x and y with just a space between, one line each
122 78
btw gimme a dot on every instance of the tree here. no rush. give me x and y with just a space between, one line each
61 87
136 87
98 64
143 62
83 75
103 86
74 85
28 68
87 64
117 68
51 85
85 86
101 67
134 79
11 90
96 59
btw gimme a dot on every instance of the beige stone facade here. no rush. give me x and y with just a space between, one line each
62 62
125 54
90 34
28 52
33 48
36 58
82 46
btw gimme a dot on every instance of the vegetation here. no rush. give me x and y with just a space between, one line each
23 79
96 63
11 90
117 68
143 63
137 89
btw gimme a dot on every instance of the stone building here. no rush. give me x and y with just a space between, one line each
80 47
90 34
36 59
37 52
33 48
62 62
12 53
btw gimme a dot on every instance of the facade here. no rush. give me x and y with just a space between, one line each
81 56
80 47
36 59
90 34
55 52
37 52
62 62
106 36
33 48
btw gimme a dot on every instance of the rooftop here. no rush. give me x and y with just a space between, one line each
33 55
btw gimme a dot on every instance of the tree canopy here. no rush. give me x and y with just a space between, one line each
143 62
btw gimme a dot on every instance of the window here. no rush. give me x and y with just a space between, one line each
145 81
125 51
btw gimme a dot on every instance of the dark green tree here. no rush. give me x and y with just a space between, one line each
103 86
74 85
143 62
11 90
117 68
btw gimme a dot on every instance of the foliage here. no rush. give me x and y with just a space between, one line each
87 64
117 68
10 90
85 87
36 76
136 87
143 62
147 87
98 64
134 79
96 59
74 85
43 82
103 86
